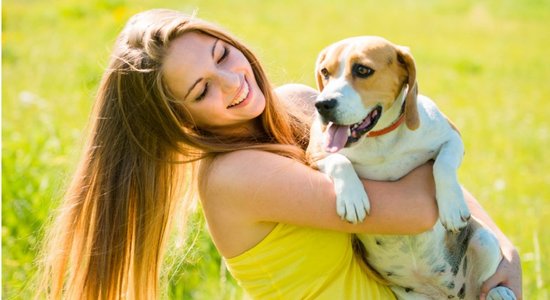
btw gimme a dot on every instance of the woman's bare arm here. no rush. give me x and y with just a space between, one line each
263 187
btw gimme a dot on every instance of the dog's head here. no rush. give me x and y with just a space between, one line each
359 79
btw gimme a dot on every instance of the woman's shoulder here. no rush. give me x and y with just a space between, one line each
239 169
247 159
244 154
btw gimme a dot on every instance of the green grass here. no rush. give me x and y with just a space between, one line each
485 63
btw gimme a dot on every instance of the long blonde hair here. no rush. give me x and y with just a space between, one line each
108 239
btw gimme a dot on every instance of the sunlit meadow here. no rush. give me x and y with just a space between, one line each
485 63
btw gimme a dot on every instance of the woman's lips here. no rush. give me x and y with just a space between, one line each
243 95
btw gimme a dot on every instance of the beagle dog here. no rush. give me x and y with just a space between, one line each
372 123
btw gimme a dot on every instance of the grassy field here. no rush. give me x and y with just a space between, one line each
485 63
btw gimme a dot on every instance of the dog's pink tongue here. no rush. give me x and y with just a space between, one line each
336 137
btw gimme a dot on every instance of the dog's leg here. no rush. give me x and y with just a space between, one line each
484 252
453 211
352 202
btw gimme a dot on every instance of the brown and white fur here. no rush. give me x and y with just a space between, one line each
366 84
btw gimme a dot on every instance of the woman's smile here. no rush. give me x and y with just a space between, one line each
242 95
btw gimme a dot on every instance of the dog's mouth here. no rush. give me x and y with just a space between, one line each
340 136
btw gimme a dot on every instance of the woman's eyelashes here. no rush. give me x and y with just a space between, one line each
224 55
203 93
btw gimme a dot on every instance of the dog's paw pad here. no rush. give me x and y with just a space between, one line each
501 293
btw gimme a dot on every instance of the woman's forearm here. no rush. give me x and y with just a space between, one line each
406 206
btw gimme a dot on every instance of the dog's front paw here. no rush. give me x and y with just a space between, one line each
453 211
352 202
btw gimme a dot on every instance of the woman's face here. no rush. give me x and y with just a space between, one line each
215 83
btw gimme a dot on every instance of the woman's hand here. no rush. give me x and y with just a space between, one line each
508 273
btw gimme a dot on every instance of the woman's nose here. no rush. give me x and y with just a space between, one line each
229 80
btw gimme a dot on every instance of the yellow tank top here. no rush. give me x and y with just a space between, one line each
294 262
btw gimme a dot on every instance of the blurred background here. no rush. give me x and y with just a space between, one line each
485 63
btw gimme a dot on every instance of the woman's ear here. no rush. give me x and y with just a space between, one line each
404 56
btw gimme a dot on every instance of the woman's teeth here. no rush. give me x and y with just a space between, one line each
241 97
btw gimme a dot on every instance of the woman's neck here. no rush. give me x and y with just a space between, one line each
253 128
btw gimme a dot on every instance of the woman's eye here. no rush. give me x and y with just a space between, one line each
224 54
203 93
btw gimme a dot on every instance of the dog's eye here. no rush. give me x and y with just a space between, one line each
325 73
362 71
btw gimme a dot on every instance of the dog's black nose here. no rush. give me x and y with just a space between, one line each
325 105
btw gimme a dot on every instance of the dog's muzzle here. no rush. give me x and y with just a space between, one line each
327 109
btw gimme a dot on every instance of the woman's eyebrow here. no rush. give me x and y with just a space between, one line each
200 79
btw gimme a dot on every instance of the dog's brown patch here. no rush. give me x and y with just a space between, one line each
328 59
385 84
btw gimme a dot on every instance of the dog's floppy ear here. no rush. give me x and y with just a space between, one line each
318 63
404 56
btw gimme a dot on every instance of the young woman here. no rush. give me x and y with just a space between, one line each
184 109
